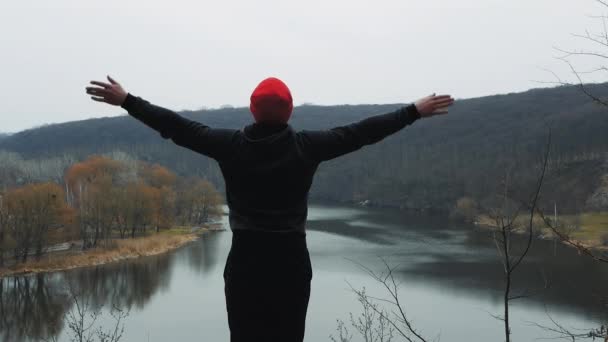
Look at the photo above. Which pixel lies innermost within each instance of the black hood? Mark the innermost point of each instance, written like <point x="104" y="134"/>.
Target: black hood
<point x="266" y="132"/>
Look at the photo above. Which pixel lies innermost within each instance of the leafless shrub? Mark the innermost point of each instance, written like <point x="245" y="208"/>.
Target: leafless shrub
<point x="372" y="324"/>
<point x="376" y="323"/>
<point x="81" y="321"/>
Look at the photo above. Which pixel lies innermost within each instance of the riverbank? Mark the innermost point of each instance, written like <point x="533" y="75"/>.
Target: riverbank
<point x="588" y="229"/>
<point x="121" y="249"/>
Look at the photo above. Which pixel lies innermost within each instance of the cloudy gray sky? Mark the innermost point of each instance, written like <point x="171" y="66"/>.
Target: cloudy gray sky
<point x="189" y="54"/>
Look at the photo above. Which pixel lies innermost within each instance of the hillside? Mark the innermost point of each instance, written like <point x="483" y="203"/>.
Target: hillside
<point x="428" y="165"/>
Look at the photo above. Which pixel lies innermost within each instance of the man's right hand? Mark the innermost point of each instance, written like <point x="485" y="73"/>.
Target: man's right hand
<point x="111" y="93"/>
<point x="433" y="105"/>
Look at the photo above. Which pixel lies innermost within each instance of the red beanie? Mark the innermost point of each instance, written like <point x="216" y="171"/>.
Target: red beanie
<point x="271" y="101"/>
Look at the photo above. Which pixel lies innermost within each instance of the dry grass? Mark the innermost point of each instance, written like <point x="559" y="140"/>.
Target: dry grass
<point x="592" y="226"/>
<point x="589" y="229"/>
<point x="119" y="250"/>
<point x="520" y="223"/>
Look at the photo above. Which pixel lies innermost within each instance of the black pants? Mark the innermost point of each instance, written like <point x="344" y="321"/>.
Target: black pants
<point x="267" y="286"/>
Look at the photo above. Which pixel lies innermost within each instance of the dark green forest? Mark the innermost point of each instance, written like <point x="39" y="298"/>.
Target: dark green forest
<point x="427" y="166"/>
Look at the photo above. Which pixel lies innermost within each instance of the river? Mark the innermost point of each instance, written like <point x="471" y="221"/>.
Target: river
<point x="449" y="273"/>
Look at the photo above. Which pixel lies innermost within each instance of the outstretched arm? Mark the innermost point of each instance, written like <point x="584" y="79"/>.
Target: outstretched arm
<point x="324" y="145"/>
<point x="214" y="143"/>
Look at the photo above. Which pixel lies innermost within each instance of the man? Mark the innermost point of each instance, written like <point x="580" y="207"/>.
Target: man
<point x="268" y="169"/>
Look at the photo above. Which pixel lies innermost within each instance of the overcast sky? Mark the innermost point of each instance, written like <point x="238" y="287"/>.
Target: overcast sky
<point x="189" y="54"/>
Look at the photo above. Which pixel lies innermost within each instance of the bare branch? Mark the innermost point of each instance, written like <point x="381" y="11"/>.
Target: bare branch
<point x="566" y="239"/>
<point x="588" y="37"/>
<point x="534" y="202"/>
<point x="602" y="2"/>
<point x="581" y="84"/>
<point x="579" y="53"/>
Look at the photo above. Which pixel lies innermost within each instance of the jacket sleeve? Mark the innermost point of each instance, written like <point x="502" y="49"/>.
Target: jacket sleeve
<point x="216" y="143"/>
<point x="323" y="145"/>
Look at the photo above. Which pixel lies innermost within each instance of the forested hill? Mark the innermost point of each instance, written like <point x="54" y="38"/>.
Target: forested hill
<point x="428" y="165"/>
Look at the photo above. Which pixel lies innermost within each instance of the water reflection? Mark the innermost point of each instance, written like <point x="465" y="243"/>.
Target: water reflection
<point x="203" y="256"/>
<point x="127" y="285"/>
<point x="33" y="307"/>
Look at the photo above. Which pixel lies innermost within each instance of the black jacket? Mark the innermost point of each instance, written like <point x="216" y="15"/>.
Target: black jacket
<point x="268" y="169"/>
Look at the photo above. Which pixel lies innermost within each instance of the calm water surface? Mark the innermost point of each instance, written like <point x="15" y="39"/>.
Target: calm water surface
<point x="450" y="277"/>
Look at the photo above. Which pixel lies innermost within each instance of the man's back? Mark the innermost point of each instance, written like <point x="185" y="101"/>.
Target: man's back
<point x="267" y="179"/>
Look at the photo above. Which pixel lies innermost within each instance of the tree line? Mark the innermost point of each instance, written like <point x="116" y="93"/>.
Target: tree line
<point x="100" y="199"/>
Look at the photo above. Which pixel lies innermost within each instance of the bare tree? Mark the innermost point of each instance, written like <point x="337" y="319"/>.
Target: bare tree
<point x="504" y="221"/>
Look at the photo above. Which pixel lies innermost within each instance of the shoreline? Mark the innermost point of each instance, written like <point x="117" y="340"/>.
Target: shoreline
<point x="123" y="249"/>
<point x="586" y="237"/>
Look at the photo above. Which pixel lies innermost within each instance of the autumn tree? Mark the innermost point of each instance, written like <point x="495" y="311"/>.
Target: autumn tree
<point x="90" y="189"/>
<point x="33" y="210"/>
<point x="110" y="195"/>
<point x="198" y="201"/>
<point x="164" y="197"/>
<point x="102" y="210"/>
<point x="120" y="211"/>
<point x="156" y="175"/>
<point x="164" y="207"/>
<point x="139" y="206"/>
